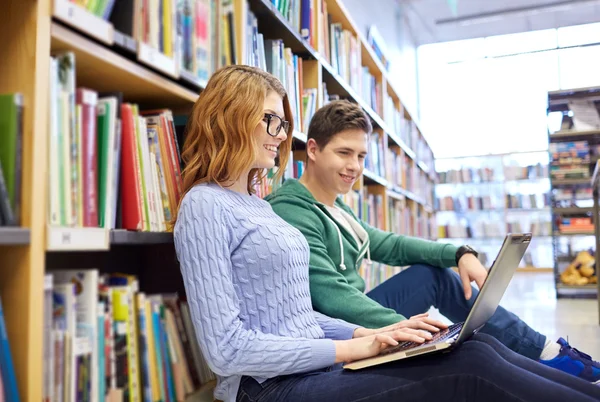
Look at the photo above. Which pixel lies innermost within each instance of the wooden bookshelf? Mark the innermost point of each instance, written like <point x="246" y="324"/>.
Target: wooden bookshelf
<point x="105" y="70"/>
<point x="106" y="62"/>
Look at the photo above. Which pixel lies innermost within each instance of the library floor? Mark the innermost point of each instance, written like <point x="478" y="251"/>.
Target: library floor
<point x="531" y="296"/>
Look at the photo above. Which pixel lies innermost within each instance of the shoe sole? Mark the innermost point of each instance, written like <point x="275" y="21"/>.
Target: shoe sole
<point x="597" y="382"/>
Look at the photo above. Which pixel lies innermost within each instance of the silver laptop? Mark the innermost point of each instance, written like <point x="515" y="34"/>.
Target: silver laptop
<point x="499" y="276"/>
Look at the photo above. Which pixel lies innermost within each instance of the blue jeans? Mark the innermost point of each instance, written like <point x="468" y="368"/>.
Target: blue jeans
<point x="414" y="290"/>
<point x="481" y="369"/>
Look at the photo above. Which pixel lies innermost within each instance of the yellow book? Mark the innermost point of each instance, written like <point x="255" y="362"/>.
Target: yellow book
<point x="168" y="27"/>
<point x="154" y="381"/>
<point x="124" y="311"/>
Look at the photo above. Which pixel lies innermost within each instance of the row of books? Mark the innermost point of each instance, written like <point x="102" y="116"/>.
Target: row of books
<point x="471" y="229"/>
<point x="397" y="166"/>
<point x="271" y="55"/>
<point x="419" y="183"/>
<point x="572" y="152"/>
<point x="569" y="160"/>
<point x="483" y="228"/>
<point x="569" y="172"/>
<point x="528" y="201"/>
<point x="300" y="15"/>
<point x="110" y="164"/>
<point x="567" y="197"/>
<point x="366" y="206"/>
<point x="537" y="171"/>
<point x="105" y="339"/>
<point x="375" y="160"/>
<point x="538" y="227"/>
<point x="374" y="274"/>
<point x="465" y="202"/>
<point x="489" y="174"/>
<point x="189" y="35"/>
<point x="9" y="391"/>
<point x="423" y="152"/>
<point x="400" y="217"/>
<point x="11" y="139"/>
<point x="575" y="224"/>
<point x="468" y="175"/>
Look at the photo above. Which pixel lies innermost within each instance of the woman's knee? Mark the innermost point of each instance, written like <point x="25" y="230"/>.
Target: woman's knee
<point x="478" y="357"/>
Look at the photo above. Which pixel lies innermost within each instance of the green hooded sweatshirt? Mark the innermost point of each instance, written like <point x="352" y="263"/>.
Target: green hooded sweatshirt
<point x="336" y="287"/>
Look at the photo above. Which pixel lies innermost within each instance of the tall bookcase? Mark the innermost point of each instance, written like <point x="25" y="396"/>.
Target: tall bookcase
<point x="111" y="60"/>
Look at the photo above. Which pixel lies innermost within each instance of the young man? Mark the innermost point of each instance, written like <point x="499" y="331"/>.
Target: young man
<point x="336" y="149"/>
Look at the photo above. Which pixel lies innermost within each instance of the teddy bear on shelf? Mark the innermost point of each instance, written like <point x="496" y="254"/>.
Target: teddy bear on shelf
<point x="581" y="271"/>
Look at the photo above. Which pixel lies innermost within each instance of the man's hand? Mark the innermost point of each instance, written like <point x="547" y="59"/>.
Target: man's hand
<point x="470" y="269"/>
<point x="420" y="322"/>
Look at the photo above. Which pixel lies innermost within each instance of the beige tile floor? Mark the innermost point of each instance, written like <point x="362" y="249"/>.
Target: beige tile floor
<point x="531" y="296"/>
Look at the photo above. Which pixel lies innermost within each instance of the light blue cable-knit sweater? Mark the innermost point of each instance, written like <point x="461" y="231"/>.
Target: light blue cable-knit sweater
<point x="245" y="272"/>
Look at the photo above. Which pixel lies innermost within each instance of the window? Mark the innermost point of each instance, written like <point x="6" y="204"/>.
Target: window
<point x="489" y="95"/>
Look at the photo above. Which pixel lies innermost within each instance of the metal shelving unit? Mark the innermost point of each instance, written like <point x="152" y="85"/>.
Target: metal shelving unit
<point x="576" y="240"/>
<point x="596" y="191"/>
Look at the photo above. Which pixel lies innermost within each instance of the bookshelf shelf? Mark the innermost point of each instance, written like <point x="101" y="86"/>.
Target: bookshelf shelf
<point x="573" y="135"/>
<point x="120" y="237"/>
<point x="394" y="137"/>
<point x="272" y="24"/>
<point x="574" y="210"/>
<point x="12" y="236"/>
<point x="84" y="21"/>
<point x="299" y="136"/>
<point x="574" y="233"/>
<point x="372" y="178"/>
<point x="397" y="196"/>
<point x="105" y="70"/>
<point x="570" y="182"/>
<point x="76" y="238"/>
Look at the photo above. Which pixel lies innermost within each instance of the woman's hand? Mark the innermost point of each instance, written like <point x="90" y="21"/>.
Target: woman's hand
<point x="418" y="322"/>
<point x="371" y="345"/>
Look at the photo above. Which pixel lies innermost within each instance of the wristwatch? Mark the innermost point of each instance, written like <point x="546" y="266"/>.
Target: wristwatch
<point x="462" y="250"/>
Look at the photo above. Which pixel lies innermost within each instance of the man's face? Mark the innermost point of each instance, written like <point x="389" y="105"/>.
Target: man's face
<point x="341" y="162"/>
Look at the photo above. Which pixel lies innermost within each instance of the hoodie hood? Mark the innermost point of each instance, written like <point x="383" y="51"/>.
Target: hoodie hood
<point x="292" y="190"/>
<point x="295" y="193"/>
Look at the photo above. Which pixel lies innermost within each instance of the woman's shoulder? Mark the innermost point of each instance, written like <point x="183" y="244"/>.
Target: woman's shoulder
<point x="211" y="198"/>
<point x="203" y="193"/>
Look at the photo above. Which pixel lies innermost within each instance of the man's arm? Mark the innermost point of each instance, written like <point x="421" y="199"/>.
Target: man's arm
<point x="331" y="293"/>
<point x="398" y="250"/>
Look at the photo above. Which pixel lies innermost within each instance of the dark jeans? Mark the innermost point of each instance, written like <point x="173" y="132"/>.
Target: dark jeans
<point x="414" y="290"/>
<point x="481" y="369"/>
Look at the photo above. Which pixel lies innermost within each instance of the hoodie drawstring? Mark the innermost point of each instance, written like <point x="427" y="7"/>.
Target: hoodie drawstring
<point x="369" y="262"/>
<point x="342" y="265"/>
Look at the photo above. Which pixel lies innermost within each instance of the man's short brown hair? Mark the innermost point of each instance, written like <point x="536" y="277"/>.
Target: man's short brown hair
<point x="335" y="117"/>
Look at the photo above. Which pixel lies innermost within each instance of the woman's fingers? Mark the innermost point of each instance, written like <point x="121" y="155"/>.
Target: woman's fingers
<point x="385" y="339"/>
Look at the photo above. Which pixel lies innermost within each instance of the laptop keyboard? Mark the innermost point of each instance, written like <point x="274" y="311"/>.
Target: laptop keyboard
<point x="443" y="335"/>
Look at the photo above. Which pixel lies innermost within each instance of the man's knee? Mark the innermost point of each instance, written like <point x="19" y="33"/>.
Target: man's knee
<point x="429" y="273"/>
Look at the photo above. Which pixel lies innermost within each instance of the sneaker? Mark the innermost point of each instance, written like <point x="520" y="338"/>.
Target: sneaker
<point x="572" y="361"/>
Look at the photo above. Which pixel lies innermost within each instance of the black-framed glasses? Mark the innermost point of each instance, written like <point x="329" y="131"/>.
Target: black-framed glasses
<point x="275" y="124"/>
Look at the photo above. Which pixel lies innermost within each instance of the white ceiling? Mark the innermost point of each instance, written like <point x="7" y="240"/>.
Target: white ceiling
<point x="433" y="21"/>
